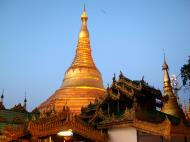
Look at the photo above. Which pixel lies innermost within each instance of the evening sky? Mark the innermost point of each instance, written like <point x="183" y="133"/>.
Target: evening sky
<point x="38" y="39"/>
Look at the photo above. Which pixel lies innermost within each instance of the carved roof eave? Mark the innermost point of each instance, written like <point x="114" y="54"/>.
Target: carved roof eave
<point x="127" y="116"/>
<point x="130" y="84"/>
<point x="138" y="87"/>
<point x="165" y="128"/>
<point x="52" y="118"/>
<point x="98" y="114"/>
<point x="143" y="126"/>
<point x="19" y="108"/>
<point x="13" y="133"/>
<point x="116" y="96"/>
<point x="127" y="92"/>
<point x="45" y="128"/>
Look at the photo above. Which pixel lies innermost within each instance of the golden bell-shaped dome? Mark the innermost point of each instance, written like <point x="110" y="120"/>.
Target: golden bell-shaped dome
<point x="82" y="82"/>
<point x="83" y="71"/>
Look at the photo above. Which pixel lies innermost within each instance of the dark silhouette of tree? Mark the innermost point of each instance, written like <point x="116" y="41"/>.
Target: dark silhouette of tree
<point x="185" y="73"/>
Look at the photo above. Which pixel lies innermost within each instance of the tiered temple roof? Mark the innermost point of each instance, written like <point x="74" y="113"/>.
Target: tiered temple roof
<point x="137" y="104"/>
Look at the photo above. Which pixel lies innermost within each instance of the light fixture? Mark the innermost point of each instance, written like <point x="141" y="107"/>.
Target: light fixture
<point x="66" y="133"/>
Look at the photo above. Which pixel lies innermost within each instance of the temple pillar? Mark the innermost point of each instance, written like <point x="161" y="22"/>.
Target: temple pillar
<point x="161" y="139"/>
<point x="185" y="138"/>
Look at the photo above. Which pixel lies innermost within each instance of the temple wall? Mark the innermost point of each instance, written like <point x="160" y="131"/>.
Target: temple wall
<point x="144" y="137"/>
<point x="149" y="138"/>
<point x="123" y="135"/>
<point x="179" y="139"/>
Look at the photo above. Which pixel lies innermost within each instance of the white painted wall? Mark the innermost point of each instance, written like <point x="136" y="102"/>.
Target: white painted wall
<point x="123" y="134"/>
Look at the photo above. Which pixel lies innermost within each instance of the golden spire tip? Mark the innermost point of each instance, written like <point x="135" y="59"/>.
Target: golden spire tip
<point x="84" y="9"/>
<point x="164" y="55"/>
<point x="165" y="65"/>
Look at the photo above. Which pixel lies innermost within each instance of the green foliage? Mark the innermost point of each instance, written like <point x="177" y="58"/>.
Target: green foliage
<point x="185" y="73"/>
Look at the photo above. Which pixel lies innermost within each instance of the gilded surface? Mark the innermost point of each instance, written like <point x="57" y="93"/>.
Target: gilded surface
<point x="82" y="83"/>
<point x="170" y="104"/>
<point x="63" y="121"/>
<point x="83" y="71"/>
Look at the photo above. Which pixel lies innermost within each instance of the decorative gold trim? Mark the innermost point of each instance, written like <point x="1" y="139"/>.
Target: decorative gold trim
<point x="85" y="87"/>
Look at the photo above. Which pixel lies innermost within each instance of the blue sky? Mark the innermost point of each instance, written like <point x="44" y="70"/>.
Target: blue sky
<point x="38" y="41"/>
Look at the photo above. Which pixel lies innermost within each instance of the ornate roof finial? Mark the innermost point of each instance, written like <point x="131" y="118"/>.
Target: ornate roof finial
<point x="2" y="96"/>
<point x="121" y="75"/>
<point x="84" y="9"/>
<point x="114" y="77"/>
<point x="165" y="65"/>
<point x="142" y="78"/>
<point x="164" y="54"/>
<point x="25" y="100"/>
<point x="84" y="16"/>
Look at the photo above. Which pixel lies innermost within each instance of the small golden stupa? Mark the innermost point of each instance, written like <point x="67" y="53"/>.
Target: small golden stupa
<point x="170" y="104"/>
<point x="82" y="83"/>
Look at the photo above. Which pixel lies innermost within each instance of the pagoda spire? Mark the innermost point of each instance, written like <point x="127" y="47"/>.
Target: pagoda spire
<point x="83" y="71"/>
<point x="83" y="57"/>
<point x="167" y="82"/>
<point x="170" y="104"/>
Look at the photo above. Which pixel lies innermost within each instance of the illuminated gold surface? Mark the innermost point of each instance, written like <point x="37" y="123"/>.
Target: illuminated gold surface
<point x="82" y="83"/>
<point x="83" y="71"/>
<point x="170" y="106"/>
<point x="73" y="97"/>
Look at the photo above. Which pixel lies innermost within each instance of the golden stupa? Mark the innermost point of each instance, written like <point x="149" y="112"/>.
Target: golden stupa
<point x="82" y="83"/>
<point x="170" y="104"/>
